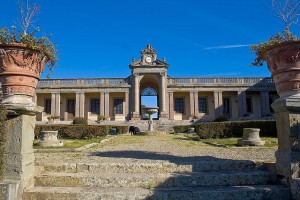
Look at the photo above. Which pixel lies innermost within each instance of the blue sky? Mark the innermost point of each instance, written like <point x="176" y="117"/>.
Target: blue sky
<point x="203" y="38"/>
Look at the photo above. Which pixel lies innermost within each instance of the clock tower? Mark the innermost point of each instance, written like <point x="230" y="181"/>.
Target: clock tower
<point x="148" y="55"/>
<point x="148" y="72"/>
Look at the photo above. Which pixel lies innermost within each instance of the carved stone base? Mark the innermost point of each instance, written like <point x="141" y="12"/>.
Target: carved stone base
<point x="18" y="156"/>
<point x="288" y="153"/>
<point x="135" y="116"/>
<point x="164" y="115"/>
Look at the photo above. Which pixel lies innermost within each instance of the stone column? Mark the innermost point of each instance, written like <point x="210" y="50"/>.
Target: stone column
<point x="18" y="157"/>
<point x="265" y="105"/>
<point x="136" y="93"/>
<point x="106" y="104"/>
<point x="53" y="104"/>
<point x="192" y="104"/>
<point x="102" y="105"/>
<point x="171" y="105"/>
<point x="163" y="94"/>
<point x="81" y="105"/>
<point x="196" y="96"/>
<point x="79" y="111"/>
<point x="77" y="102"/>
<point x="57" y="104"/>
<point x="126" y="104"/>
<point x="241" y="103"/>
<point x="218" y="101"/>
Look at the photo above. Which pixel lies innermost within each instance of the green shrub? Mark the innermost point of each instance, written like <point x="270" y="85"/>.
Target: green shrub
<point x="235" y="128"/>
<point x="74" y="131"/>
<point x="121" y="129"/>
<point x="221" y="119"/>
<point x="80" y="120"/>
<point x="181" y="129"/>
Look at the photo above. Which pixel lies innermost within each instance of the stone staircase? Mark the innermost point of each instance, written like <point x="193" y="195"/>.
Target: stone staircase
<point x="158" y="125"/>
<point x="159" y="180"/>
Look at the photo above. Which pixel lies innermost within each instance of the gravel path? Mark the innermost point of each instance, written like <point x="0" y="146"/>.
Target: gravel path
<point x="162" y="148"/>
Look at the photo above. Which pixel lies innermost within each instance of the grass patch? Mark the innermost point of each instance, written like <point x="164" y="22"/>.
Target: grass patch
<point x="232" y="142"/>
<point x="71" y="143"/>
<point x="193" y="140"/>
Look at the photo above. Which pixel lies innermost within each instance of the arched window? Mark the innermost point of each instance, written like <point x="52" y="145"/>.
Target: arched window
<point x="149" y="92"/>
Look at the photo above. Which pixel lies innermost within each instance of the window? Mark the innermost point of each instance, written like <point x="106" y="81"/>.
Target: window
<point x="179" y="105"/>
<point x="118" y="106"/>
<point x="71" y="106"/>
<point x="48" y="106"/>
<point x="226" y="106"/>
<point x="249" y="105"/>
<point x="95" y="106"/>
<point x="202" y="105"/>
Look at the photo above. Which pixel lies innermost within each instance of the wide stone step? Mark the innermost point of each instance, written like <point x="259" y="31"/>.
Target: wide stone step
<point x="151" y="180"/>
<point x="260" y="192"/>
<point x="154" y="167"/>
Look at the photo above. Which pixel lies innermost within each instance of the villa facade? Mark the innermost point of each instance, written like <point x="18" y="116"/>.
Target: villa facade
<point x="177" y="98"/>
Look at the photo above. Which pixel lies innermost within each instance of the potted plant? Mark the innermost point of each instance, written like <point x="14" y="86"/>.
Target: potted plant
<point x="282" y="51"/>
<point x="23" y="57"/>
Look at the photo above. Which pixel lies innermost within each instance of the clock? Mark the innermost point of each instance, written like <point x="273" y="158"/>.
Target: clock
<point x="148" y="59"/>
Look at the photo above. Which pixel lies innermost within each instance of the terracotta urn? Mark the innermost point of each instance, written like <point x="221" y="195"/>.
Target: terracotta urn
<point x="20" y="69"/>
<point x="284" y="63"/>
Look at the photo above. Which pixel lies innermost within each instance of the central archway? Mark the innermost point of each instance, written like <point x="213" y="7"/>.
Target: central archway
<point x="149" y="93"/>
<point x="149" y="98"/>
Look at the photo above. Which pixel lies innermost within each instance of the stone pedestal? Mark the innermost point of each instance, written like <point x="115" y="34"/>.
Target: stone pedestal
<point x="163" y="116"/>
<point x="135" y="116"/>
<point x="18" y="156"/>
<point x="250" y="137"/>
<point x="49" y="139"/>
<point x="288" y="130"/>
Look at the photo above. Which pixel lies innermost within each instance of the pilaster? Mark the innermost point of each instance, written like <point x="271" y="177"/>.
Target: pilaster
<point x="171" y="105"/>
<point x="126" y="105"/>
<point x="196" y="96"/>
<point x="192" y="104"/>
<point x="79" y="110"/>
<point x="218" y="101"/>
<point x="102" y="105"/>
<point x="241" y="103"/>
<point x="106" y="104"/>
<point x="265" y="105"/>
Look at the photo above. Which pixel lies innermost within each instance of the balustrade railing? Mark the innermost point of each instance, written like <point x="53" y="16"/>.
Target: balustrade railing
<point x="251" y="81"/>
<point x="73" y="82"/>
<point x="171" y="81"/>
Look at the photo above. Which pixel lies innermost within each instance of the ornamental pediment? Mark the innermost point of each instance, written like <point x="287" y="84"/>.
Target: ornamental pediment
<point x="157" y="62"/>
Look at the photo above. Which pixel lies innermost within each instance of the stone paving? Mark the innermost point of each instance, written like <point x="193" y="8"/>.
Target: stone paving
<point x="164" y="147"/>
<point x="160" y="167"/>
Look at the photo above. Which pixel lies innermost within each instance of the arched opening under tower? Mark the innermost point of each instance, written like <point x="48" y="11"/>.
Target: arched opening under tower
<point x="149" y="87"/>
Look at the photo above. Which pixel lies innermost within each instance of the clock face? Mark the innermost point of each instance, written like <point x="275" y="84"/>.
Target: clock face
<point x="148" y="59"/>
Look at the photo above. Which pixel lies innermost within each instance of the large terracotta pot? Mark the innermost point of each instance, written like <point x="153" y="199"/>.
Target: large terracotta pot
<point x="284" y="63"/>
<point x="20" y="69"/>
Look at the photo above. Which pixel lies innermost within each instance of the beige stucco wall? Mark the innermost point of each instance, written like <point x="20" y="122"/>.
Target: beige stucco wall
<point x="87" y="107"/>
<point x="64" y="97"/>
<point x="186" y="100"/>
<point x="40" y="102"/>
<point x="210" y="115"/>
<point x="112" y="97"/>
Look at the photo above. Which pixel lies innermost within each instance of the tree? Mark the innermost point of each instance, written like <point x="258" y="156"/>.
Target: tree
<point x="28" y="11"/>
<point x="288" y="11"/>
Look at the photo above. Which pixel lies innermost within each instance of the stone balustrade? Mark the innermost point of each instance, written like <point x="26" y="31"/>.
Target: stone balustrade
<point x="260" y="81"/>
<point x="216" y="81"/>
<point x="84" y="82"/>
